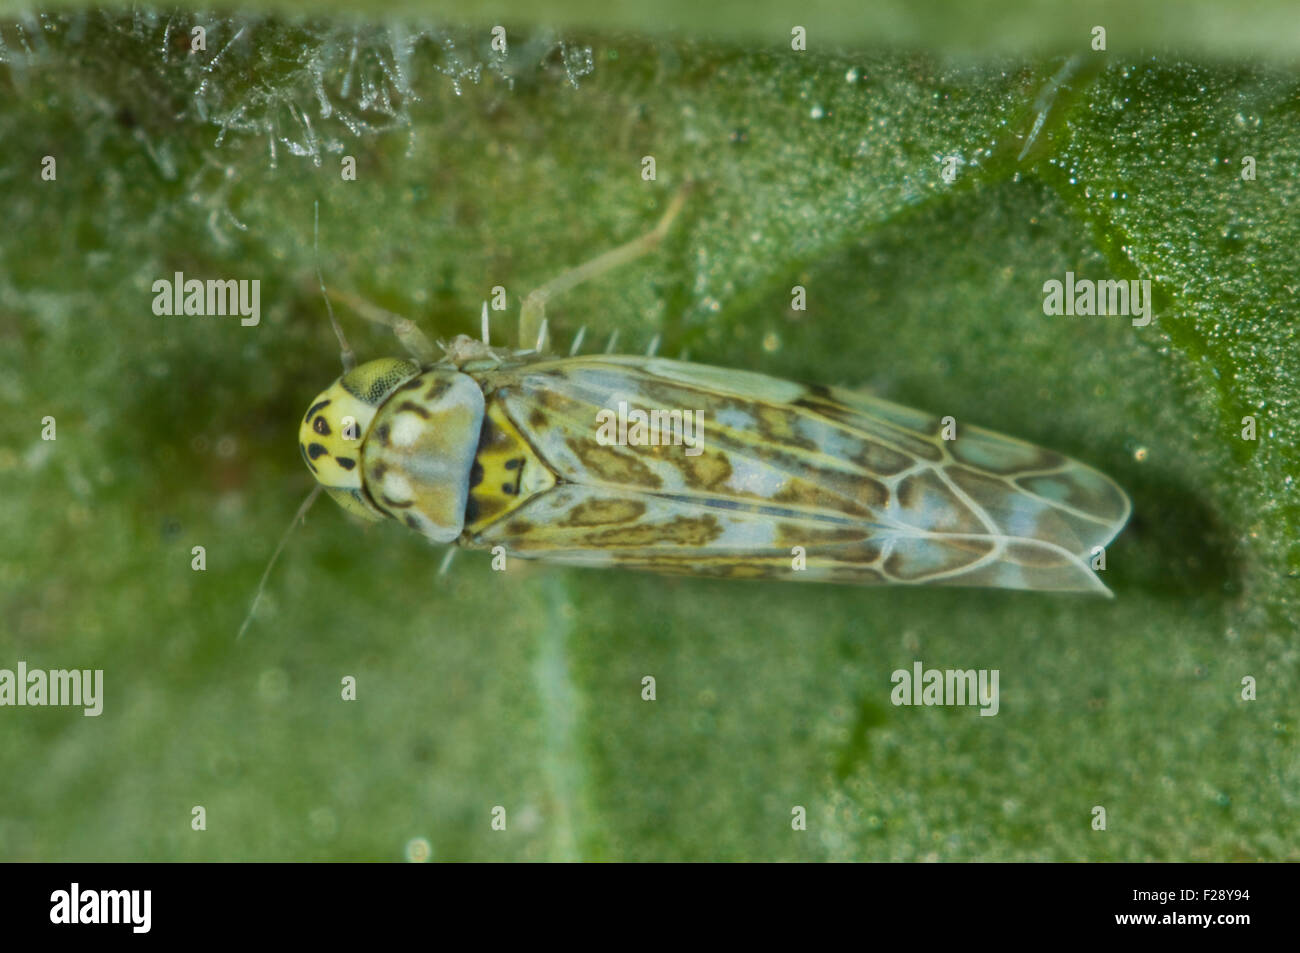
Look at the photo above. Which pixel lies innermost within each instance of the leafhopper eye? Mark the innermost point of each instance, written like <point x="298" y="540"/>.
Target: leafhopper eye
<point x="349" y="428"/>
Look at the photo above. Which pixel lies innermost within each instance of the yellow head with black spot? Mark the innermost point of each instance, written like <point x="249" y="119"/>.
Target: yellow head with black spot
<point x="336" y="423"/>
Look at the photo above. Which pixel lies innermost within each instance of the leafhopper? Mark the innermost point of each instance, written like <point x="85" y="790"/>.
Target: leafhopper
<point x="509" y="449"/>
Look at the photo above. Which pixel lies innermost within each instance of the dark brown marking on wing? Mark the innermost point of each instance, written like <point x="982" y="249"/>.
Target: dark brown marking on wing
<point x="925" y="496"/>
<point x="806" y="535"/>
<point x="775" y="424"/>
<point x="836" y="491"/>
<point x="880" y="459"/>
<point x="613" y="464"/>
<point x="603" y="512"/>
<point x="681" y="531"/>
<point x="709" y="471"/>
<point x="912" y="441"/>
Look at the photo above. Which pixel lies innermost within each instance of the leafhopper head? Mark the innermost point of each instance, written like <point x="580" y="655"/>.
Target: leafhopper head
<point x="337" y="422"/>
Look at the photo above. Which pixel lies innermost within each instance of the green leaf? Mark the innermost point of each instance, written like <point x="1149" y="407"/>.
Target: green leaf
<point x="523" y="689"/>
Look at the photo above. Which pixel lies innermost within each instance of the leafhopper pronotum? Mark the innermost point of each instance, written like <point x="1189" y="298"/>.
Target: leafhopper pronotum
<point x="488" y="447"/>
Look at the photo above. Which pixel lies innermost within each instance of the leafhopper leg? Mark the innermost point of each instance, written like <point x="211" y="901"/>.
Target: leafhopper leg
<point x="412" y="338"/>
<point x="533" y="312"/>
